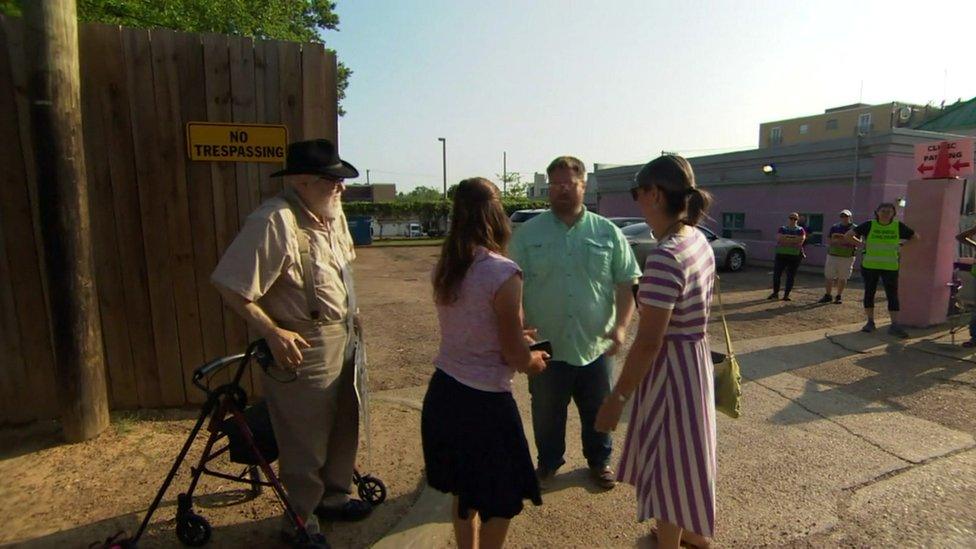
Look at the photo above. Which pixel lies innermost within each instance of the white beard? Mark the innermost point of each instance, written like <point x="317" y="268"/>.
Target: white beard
<point x="332" y="210"/>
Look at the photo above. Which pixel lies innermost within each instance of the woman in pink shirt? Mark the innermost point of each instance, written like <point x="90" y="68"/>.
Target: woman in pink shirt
<point x="474" y="444"/>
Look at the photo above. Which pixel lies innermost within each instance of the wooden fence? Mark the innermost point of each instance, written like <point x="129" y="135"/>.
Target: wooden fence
<point x="159" y="221"/>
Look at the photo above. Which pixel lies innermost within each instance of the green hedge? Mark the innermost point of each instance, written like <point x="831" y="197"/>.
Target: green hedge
<point x="426" y="210"/>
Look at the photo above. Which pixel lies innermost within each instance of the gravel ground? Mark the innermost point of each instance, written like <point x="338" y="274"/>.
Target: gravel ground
<point x="70" y="495"/>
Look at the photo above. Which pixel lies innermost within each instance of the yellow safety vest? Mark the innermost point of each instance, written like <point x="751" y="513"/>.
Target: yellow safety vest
<point x="881" y="247"/>
<point x="784" y="249"/>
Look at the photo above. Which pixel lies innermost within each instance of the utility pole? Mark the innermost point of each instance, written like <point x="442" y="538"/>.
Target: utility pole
<point x="54" y="95"/>
<point x="504" y="173"/>
<point x="367" y="176"/>
<point x="443" y="141"/>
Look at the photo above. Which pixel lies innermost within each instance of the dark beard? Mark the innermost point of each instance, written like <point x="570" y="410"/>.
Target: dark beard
<point x="561" y="208"/>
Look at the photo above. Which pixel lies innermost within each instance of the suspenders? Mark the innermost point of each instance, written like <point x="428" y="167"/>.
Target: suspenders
<point x="308" y="278"/>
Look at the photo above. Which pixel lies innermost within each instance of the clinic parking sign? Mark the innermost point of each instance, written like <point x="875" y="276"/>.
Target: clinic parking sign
<point x="216" y="142"/>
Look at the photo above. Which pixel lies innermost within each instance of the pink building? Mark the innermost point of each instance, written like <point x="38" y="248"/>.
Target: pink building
<point x="815" y="179"/>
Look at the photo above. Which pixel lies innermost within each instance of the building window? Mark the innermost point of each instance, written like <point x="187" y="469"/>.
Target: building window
<point x="804" y="129"/>
<point x="732" y="221"/>
<point x="864" y="123"/>
<point x="831" y="123"/>
<point x="776" y="135"/>
<point x="814" y="225"/>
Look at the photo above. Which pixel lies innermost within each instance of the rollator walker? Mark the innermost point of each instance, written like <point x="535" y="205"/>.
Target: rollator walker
<point x="246" y="435"/>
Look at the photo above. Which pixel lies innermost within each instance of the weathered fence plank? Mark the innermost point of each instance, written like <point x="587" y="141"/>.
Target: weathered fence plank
<point x="159" y="221"/>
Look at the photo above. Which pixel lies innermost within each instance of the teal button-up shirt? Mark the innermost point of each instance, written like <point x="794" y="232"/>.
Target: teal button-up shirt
<point x="571" y="274"/>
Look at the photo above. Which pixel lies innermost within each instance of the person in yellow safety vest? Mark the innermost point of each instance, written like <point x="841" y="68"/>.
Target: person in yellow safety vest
<point x="882" y="238"/>
<point x="789" y="254"/>
<point x="840" y="258"/>
<point x="966" y="237"/>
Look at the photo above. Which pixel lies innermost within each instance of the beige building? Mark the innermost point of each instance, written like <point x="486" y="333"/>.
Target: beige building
<point x="538" y="188"/>
<point x="376" y="192"/>
<point x="843" y="122"/>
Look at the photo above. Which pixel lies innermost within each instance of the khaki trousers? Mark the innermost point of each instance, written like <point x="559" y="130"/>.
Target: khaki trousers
<point x="316" y="420"/>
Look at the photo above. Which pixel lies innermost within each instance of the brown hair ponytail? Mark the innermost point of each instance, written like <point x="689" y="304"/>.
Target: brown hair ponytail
<point x="672" y="174"/>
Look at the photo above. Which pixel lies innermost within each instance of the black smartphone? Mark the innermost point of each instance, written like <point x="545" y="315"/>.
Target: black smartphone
<point x="543" y="345"/>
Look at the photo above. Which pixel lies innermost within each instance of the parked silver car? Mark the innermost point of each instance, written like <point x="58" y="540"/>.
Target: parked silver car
<point x="625" y="221"/>
<point x="521" y="216"/>
<point x="729" y="254"/>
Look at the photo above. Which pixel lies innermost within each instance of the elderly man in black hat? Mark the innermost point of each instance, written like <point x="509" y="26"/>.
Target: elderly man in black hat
<point x="287" y="273"/>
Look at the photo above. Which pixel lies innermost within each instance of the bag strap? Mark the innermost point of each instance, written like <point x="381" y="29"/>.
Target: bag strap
<point x="721" y="310"/>
<point x="305" y="252"/>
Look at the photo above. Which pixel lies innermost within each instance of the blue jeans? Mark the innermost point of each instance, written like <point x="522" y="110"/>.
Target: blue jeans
<point x="551" y="392"/>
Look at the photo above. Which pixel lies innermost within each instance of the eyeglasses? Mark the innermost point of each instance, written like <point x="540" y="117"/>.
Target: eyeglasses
<point x="333" y="180"/>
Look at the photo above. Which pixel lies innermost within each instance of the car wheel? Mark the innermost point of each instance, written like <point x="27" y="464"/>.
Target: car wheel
<point x="735" y="261"/>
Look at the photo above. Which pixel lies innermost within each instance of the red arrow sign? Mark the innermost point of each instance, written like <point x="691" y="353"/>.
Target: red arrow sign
<point x="944" y="159"/>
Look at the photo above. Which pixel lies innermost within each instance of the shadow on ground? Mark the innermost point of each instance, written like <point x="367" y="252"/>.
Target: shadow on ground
<point x="881" y="371"/>
<point x="263" y="532"/>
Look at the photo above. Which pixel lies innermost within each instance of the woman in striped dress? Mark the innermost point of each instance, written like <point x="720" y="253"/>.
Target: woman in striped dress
<point x="669" y="453"/>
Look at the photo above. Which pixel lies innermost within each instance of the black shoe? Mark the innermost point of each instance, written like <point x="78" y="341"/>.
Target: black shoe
<point x="773" y="296"/>
<point x="351" y="511"/>
<point x="825" y="299"/>
<point x="869" y="327"/>
<point x="787" y="298"/>
<point x="294" y="539"/>
<point x="837" y="300"/>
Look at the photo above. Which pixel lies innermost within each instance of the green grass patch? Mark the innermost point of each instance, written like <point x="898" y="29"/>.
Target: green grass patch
<point x="124" y="421"/>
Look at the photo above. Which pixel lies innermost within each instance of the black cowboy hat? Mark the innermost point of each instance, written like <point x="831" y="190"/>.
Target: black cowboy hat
<point x="316" y="157"/>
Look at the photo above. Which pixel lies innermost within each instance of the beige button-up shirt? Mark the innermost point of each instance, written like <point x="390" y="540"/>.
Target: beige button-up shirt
<point x="263" y="263"/>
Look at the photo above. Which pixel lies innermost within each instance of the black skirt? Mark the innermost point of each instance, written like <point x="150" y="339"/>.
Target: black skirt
<point x="475" y="448"/>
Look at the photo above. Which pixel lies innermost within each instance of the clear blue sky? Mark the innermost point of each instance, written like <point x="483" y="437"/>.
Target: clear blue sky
<point x="619" y="81"/>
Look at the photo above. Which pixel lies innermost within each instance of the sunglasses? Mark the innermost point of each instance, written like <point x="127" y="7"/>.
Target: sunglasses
<point x="634" y="194"/>
<point x="794" y="219"/>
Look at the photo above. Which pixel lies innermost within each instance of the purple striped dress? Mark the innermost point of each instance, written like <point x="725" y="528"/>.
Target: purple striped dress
<point x="669" y="454"/>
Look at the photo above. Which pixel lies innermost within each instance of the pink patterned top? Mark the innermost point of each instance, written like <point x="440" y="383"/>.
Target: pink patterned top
<point x="470" y="350"/>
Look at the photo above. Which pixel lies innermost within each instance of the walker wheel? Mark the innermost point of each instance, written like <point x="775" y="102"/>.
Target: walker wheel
<point x="372" y="490"/>
<point x="192" y="529"/>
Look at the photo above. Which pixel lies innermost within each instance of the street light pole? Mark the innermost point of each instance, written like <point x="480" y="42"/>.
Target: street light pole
<point x="443" y="141"/>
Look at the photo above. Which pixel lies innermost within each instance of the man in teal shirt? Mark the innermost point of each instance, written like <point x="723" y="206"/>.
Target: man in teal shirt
<point x="578" y="272"/>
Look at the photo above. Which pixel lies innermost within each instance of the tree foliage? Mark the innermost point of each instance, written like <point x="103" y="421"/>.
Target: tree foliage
<point x="421" y="194"/>
<point x="293" y="20"/>
<point x="512" y="186"/>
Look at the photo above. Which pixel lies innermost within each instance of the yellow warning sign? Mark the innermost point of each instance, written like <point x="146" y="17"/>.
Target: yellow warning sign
<point x="218" y="142"/>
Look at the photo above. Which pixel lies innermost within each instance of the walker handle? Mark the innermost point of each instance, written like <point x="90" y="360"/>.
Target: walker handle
<point x="215" y="365"/>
